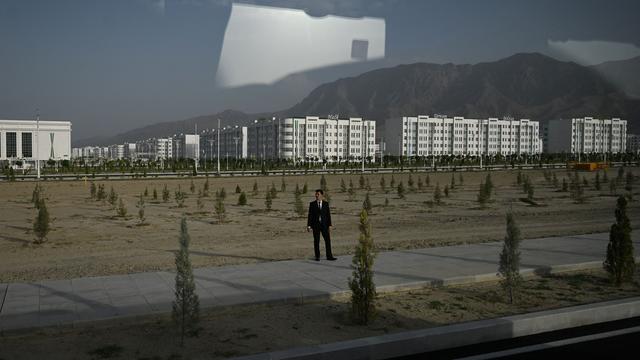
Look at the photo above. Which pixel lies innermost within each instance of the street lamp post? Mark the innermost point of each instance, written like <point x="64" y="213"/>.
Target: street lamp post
<point x="37" y="141"/>
<point x="218" y="147"/>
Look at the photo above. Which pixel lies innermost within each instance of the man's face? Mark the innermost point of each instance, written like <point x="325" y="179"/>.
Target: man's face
<point x="318" y="196"/>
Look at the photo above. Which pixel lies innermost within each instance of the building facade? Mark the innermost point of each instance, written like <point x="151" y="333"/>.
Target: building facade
<point x="312" y="138"/>
<point x="441" y="135"/>
<point x="587" y="135"/>
<point x="28" y="140"/>
<point x="633" y="143"/>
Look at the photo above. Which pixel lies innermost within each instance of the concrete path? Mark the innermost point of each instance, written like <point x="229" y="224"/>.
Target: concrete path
<point x="46" y="303"/>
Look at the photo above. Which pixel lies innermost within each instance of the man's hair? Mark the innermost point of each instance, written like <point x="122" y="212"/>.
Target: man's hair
<point x="320" y="191"/>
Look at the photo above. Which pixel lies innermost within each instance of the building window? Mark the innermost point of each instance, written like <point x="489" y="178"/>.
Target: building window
<point x="12" y="148"/>
<point x="27" y="145"/>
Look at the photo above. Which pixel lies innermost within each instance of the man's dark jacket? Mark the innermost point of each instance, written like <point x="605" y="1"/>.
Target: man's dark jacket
<point x="319" y="217"/>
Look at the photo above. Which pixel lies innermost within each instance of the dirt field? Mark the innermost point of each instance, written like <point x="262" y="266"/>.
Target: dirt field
<point x="259" y="328"/>
<point x="89" y="239"/>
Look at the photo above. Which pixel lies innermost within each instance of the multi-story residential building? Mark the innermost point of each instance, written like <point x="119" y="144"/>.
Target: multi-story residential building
<point x="233" y="143"/>
<point x="163" y="148"/>
<point x="116" y="152"/>
<point x="633" y="143"/>
<point x="441" y="135"/>
<point x="587" y="135"/>
<point x="313" y="138"/>
<point x="28" y="140"/>
<point x="186" y="146"/>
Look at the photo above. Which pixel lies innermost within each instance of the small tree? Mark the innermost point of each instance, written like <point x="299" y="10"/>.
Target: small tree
<point x="186" y="307"/>
<point x="323" y="183"/>
<point x="298" y="206"/>
<point x="205" y="188"/>
<point x="305" y="188"/>
<point x="92" y="190"/>
<point x="564" y="185"/>
<point x="113" y="197"/>
<point x="482" y="195"/>
<point x="509" y="268"/>
<point x="199" y="201"/>
<point x="121" y="210"/>
<point x="420" y="184"/>
<point x="383" y="184"/>
<point x="219" y="209"/>
<point x="141" y="206"/>
<point x="238" y="190"/>
<point x="255" y="188"/>
<point x="36" y="195"/>
<point x="363" y="289"/>
<point x="283" y="185"/>
<point x="393" y="182"/>
<point x="461" y="179"/>
<point x="146" y="192"/>
<point x="453" y="182"/>
<point x="401" y="190"/>
<point x="411" y="184"/>
<point x="41" y="224"/>
<point x="446" y="191"/>
<point x="437" y="194"/>
<point x="366" y="204"/>
<point x="620" y="262"/>
<point x="343" y="186"/>
<point x="427" y="180"/>
<point x="242" y="199"/>
<point x="519" y="178"/>
<point x="223" y="194"/>
<point x="361" y="181"/>
<point x="367" y="186"/>
<point x="101" y="195"/>
<point x="268" y="200"/>
<point x="179" y="197"/>
<point x="155" y="194"/>
<point x="165" y="193"/>
<point x="555" y="181"/>
<point x="629" y="182"/>
<point x="596" y="182"/>
<point x="192" y="187"/>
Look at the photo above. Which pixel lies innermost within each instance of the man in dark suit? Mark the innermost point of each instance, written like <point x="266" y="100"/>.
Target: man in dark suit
<point x="319" y="220"/>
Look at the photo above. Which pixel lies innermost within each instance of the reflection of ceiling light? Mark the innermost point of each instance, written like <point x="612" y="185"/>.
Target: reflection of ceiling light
<point x="265" y="44"/>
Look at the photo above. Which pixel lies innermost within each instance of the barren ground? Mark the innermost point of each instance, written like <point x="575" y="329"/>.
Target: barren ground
<point x="88" y="239"/>
<point x="244" y="330"/>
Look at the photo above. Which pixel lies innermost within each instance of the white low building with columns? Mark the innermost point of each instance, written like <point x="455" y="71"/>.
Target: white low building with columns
<point x="29" y="140"/>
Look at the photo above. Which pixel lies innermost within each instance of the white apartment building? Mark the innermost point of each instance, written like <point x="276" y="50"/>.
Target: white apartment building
<point x="28" y="140"/>
<point x="312" y="138"/>
<point x="186" y="146"/>
<point x="633" y="143"/>
<point x="587" y="135"/>
<point x="233" y="143"/>
<point x="116" y="152"/>
<point x="163" y="148"/>
<point x="441" y="135"/>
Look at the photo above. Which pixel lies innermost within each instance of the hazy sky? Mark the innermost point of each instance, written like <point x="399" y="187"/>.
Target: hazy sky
<point x="114" y="65"/>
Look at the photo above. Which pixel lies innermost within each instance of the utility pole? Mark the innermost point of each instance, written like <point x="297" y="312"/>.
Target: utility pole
<point x="37" y="141"/>
<point x="197" y="152"/>
<point x="218" y="146"/>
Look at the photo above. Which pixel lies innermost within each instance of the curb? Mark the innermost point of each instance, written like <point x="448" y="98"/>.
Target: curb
<point x="451" y="336"/>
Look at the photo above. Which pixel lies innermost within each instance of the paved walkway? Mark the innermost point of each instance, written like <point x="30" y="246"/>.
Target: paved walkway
<point x="27" y="305"/>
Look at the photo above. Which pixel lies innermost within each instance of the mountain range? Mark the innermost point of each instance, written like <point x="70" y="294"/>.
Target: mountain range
<point x="528" y="85"/>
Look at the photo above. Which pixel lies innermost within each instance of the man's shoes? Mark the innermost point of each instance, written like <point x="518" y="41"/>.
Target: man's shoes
<point x="317" y="259"/>
<point x="332" y="258"/>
